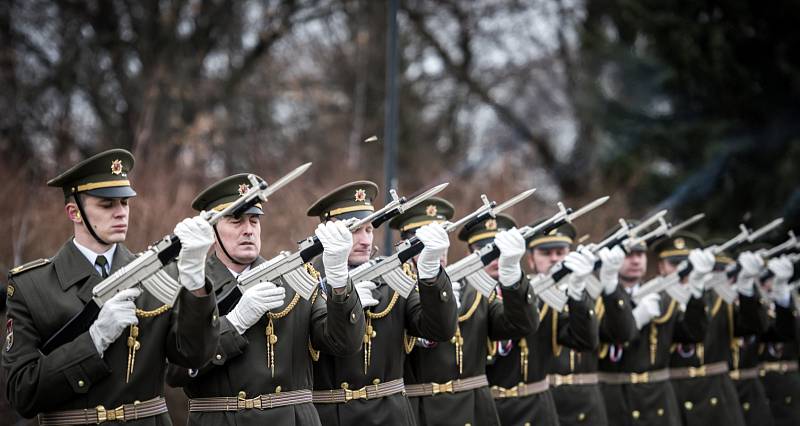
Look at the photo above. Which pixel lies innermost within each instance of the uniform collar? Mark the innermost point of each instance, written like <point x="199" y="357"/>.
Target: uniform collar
<point x="73" y="267"/>
<point x="91" y="256"/>
<point x="220" y="275"/>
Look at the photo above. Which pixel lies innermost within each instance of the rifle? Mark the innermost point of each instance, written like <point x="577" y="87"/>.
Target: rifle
<point x="658" y="284"/>
<point x="146" y="269"/>
<point x="291" y="265"/>
<point x="621" y="237"/>
<point x="471" y="267"/>
<point x="390" y="268"/>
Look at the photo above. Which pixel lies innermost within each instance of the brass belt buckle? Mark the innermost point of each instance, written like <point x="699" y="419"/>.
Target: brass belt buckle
<point x="350" y="395"/>
<point x="243" y="403"/>
<point x="637" y="378"/>
<point x="437" y="388"/>
<point x="115" y="415"/>
<point x="697" y="371"/>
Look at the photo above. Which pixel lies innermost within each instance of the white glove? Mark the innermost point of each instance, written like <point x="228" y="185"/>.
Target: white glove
<point x="436" y="242"/>
<point x="702" y="261"/>
<point x="255" y="302"/>
<point x="457" y="292"/>
<point x="751" y="264"/>
<point x="609" y="270"/>
<point x="647" y="309"/>
<point x="337" y="241"/>
<point x="115" y="316"/>
<point x="512" y="248"/>
<point x="364" y="290"/>
<point x="196" y="237"/>
<point x="783" y="269"/>
<point x="581" y="265"/>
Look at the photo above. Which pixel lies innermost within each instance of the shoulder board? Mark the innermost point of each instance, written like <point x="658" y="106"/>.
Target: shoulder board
<point x="28" y="266"/>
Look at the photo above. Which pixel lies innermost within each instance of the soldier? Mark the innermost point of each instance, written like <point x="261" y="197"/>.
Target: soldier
<point x="779" y="346"/>
<point x="575" y="385"/>
<point x="99" y="376"/>
<point x="367" y="388"/>
<point x="518" y="370"/>
<point x="635" y="376"/>
<point x="744" y="356"/>
<point x="447" y="380"/>
<point x="261" y="373"/>
<point x="699" y="372"/>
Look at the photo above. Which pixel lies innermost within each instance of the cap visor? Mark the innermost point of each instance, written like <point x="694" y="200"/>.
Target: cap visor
<point x="112" y="192"/>
<point x="360" y="214"/>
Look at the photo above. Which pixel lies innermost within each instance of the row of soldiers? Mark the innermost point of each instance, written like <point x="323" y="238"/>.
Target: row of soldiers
<point x="361" y="353"/>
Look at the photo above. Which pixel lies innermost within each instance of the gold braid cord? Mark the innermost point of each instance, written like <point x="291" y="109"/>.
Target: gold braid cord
<point x="133" y="337"/>
<point x="734" y="341"/>
<point x="458" y="340"/>
<point x="311" y="351"/>
<point x="654" y="330"/>
<point x="272" y="335"/>
<point x="370" y="332"/>
<point x="408" y="342"/>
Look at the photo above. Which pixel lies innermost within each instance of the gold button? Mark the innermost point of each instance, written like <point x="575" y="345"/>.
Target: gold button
<point x="788" y="400"/>
<point x="81" y="383"/>
<point x="714" y="401"/>
<point x="242" y="395"/>
<point x="581" y="417"/>
<point x="219" y="357"/>
<point x="591" y="312"/>
<point x="660" y="412"/>
<point x="746" y="406"/>
<point x="688" y="405"/>
<point x="621" y="303"/>
<point x="636" y="414"/>
<point x="467" y="424"/>
<point x="527" y="423"/>
<point x="277" y="389"/>
<point x="214" y="317"/>
<point x="376" y="381"/>
<point x="345" y="385"/>
<point x="444" y="294"/>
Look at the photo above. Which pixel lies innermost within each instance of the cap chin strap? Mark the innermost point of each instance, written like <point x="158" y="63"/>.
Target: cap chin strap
<point x="86" y="220"/>
<point x="225" y="251"/>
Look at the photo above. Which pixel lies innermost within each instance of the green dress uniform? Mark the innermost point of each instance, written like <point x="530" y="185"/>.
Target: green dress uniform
<point x="708" y="393"/>
<point x="635" y="375"/>
<point x="367" y="388"/>
<point x="779" y="358"/>
<point x="438" y="372"/>
<point x="575" y="386"/>
<point x="254" y="368"/>
<point x="74" y="381"/>
<point x="518" y="371"/>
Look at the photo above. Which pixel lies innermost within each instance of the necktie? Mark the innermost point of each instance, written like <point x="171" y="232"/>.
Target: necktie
<point x="102" y="262"/>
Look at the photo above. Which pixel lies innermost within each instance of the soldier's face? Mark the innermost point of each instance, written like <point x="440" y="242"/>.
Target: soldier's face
<point x="107" y="216"/>
<point x="633" y="267"/>
<point x="541" y="260"/>
<point x="362" y="245"/>
<point x="241" y="237"/>
<point x="665" y="267"/>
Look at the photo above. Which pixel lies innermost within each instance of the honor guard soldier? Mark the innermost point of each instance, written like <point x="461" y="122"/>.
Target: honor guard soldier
<point x="519" y="368"/>
<point x="699" y="372"/>
<point x="779" y="345"/>
<point x="635" y="376"/>
<point x="574" y="383"/>
<point x="261" y="372"/>
<point x="448" y="384"/>
<point x="367" y="388"/>
<point x="115" y="370"/>
<point x="744" y="358"/>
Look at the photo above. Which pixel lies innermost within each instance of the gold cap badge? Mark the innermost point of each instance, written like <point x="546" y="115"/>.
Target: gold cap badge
<point x="680" y="243"/>
<point x="116" y="167"/>
<point x="243" y="188"/>
<point x="431" y="210"/>
<point x="361" y="195"/>
<point x="491" y="224"/>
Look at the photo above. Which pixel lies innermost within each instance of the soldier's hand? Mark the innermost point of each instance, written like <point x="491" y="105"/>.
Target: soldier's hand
<point x="783" y="269"/>
<point x="364" y="290"/>
<point x="337" y="241"/>
<point x="115" y="316"/>
<point x="581" y="266"/>
<point x="436" y="243"/>
<point x="196" y="237"/>
<point x="457" y="292"/>
<point x="512" y="248"/>
<point x="609" y="270"/>
<point x="702" y="261"/>
<point x="751" y="264"/>
<point x="647" y="309"/>
<point x="255" y="302"/>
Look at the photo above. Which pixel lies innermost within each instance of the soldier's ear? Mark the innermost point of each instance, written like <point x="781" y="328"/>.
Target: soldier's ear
<point x="73" y="214"/>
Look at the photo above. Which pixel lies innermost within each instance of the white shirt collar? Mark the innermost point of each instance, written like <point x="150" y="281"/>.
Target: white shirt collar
<point x="92" y="256"/>
<point x="236" y="274"/>
<point x="631" y="289"/>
